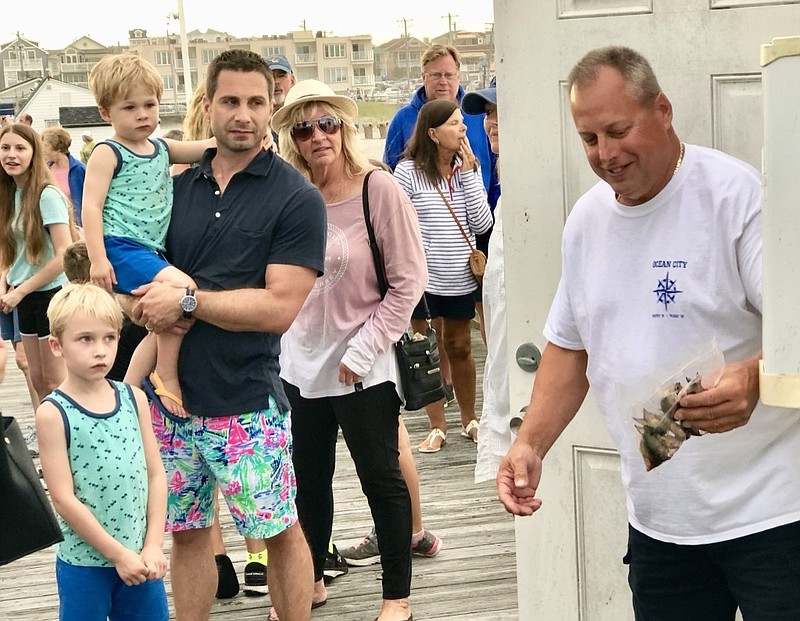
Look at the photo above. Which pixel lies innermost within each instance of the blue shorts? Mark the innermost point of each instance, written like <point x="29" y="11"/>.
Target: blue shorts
<point x="134" y="264"/>
<point x="98" y="593"/>
<point x="9" y="327"/>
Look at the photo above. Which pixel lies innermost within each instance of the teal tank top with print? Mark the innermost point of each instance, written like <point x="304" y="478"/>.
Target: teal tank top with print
<point x="109" y="474"/>
<point x="139" y="200"/>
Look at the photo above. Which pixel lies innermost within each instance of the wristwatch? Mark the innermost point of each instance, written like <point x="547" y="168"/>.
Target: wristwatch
<point x="188" y="303"/>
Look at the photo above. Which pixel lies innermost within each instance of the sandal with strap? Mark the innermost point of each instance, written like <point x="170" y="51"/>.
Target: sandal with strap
<point x="467" y="431"/>
<point x="433" y="441"/>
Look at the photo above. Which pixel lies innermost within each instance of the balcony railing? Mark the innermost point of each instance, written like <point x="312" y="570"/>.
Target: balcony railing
<point x="362" y="57"/>
<point x="76" y="67"/>
<point x="305" y="59"/>
<point x="26" y="64"/>
<point x="364" y="80"/>
<point x="192" y="63"/>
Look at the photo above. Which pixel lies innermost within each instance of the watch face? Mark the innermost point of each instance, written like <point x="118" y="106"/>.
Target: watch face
<point x="188" y="303"/>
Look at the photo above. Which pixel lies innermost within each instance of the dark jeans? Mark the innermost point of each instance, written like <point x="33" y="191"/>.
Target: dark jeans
<point x="760" y="574"/>
<point x="369" y="422"/>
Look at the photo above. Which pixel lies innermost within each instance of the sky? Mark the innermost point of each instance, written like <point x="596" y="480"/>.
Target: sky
<point x="56" y="24"/>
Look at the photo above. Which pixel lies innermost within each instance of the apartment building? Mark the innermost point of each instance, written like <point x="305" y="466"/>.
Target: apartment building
<point x="344" y="63"/>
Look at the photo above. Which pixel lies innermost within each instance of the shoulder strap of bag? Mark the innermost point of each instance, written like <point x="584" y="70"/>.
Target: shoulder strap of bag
<point x="373" y="243"/>
<point x="455" y="217"/>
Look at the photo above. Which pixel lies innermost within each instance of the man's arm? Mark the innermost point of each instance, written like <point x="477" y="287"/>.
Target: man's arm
<point x="558" y="392"/>
<point x="271" y="309"/>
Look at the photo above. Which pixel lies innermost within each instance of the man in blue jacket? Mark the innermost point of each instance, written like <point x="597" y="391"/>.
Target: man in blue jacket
<point x="440" y="80"/>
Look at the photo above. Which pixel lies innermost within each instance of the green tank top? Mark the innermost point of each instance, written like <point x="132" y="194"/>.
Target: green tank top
<point x="139" y="199"/>
<point x="109" y="475"/>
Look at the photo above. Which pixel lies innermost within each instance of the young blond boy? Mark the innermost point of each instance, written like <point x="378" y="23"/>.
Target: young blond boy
<point x="128" y="199"/>
<point x="103" y="469"/>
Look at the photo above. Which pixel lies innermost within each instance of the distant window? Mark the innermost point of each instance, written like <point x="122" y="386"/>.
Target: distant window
<point x="168" y="84"/>
<point x="162" y="58"/>
<point x="209" y="55"/>
<point x="336" y="74"/>
<point x="334" y="50"/>
<point x="273" y="50"/>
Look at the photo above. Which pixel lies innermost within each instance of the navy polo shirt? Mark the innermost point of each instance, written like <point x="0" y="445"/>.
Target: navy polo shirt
<point x="268" y="214"/>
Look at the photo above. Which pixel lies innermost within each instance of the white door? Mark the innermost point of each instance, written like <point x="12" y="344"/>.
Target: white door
<point x="706" y="56"/>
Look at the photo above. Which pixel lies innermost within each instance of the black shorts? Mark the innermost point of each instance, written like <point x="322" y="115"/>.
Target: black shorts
<point x="32" y="311"/>
<point x="447" y="306"/>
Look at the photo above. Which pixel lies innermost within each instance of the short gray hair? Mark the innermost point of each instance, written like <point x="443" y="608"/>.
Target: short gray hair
<point x="634" y="68"/>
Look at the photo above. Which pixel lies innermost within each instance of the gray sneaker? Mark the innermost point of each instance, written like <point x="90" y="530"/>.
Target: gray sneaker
<point x="429" y="545"/>
<point x="365" y="553"/>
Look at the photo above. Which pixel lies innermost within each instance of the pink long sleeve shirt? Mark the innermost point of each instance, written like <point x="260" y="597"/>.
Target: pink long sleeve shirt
<point x="344" y="318"/>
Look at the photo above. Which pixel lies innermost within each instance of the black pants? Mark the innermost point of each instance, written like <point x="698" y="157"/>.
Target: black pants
<point x="369" y="422"/>
<point x="760" y="574"/>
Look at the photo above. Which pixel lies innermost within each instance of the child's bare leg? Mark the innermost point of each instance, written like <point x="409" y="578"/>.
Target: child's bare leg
<point x="169" y="346"/>
<point x="142" y="362"/>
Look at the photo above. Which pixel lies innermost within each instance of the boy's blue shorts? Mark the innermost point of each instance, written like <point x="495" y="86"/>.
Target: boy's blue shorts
<point x="134" y="264"/>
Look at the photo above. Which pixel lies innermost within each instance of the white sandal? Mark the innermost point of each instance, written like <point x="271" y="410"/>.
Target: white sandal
<point x="467" y="431"/>
<point x="429" y="444"/>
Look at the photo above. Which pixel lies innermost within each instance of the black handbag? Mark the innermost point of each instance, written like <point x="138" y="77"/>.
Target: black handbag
<point x="418" y="355"/>
<point x="27" y="521"/>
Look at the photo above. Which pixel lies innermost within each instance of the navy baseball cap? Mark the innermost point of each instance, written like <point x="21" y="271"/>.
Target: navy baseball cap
<point x="475" y="101"/>
<point x="280" y="62"/>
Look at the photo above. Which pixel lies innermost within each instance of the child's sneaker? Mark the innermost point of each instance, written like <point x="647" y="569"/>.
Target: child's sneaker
<point x="335" y="566"/>
<point x="365" y="553"/>
<point x="255" y="579"/>
<point x="429" y="545"/>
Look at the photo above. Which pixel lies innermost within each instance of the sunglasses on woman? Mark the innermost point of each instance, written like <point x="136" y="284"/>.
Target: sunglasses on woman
<point x="327" y="125"/>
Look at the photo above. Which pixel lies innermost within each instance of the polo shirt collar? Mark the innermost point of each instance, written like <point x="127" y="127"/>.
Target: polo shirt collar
<point x="259" y="165"/>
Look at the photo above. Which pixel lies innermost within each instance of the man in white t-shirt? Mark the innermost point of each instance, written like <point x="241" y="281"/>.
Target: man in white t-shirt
<point x="661" y="259"/>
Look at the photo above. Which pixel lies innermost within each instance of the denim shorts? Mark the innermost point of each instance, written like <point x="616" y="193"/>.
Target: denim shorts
<point x="98" y="593"/>
<point x="9" y="327"/>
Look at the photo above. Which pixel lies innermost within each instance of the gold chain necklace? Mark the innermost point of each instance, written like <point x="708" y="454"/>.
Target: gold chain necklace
<point x="680" y="160"/>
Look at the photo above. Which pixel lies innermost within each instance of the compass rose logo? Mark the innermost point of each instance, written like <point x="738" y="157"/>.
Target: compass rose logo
<point x="666" y="291"/>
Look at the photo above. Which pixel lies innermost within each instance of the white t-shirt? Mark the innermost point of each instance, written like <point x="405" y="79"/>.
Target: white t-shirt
<point x="494" y="434"/>
<point x="643" y="290"/>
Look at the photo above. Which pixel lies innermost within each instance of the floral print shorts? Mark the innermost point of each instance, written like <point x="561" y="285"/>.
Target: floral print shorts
<point x="248" y="456"/>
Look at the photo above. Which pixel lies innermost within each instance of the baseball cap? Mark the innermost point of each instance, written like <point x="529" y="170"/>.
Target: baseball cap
<point x="475" y="102"/>
<point x="280" y="62"/>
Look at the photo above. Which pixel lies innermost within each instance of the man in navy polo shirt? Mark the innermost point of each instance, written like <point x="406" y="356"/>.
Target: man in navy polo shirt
<point x="251" y="232"/>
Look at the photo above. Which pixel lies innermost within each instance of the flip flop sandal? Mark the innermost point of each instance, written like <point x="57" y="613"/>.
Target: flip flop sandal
<point x="154" y="388"/>
<point x="430" y="444"/>
<point x="466" y="432"/>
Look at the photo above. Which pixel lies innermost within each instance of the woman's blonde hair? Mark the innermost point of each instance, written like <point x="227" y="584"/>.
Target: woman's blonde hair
<point x="195" y="123"/>
<point x="356" y="161"/>
<point x="30" y="215"/>
<point x="113" y="77"/>
<point x="83" y="298"/>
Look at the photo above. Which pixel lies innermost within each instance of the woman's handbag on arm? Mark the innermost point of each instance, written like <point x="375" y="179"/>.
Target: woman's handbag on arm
<point x="27" y="521"/>
<point x="477" y="260"/>
<point x="417" y="355"/>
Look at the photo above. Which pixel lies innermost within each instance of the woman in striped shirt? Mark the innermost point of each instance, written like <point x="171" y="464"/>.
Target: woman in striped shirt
<point x="440" y="169"/>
